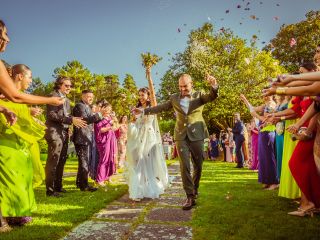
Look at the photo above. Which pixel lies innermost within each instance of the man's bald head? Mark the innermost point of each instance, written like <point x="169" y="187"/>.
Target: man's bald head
<point x="185" y="84"/>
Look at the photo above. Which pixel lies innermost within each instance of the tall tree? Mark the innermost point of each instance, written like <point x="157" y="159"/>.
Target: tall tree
<point x="130" y="92"/>
<point x="296" y="43"/>
<point x="239" y="69"/>
<point x="82" y="77"/>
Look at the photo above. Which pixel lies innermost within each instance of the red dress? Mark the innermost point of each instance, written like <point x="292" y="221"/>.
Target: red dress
<point x="302" y="163"/>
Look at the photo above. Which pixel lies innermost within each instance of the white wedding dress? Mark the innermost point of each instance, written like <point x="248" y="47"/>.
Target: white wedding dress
<point x="147" y="173"/>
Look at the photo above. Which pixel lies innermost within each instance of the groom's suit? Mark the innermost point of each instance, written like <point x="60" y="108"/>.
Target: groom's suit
<point x="189" y="132"/>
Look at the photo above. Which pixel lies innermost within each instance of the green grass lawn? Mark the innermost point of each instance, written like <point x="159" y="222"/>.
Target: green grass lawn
<point x="232" y="205"/>
<point x="55" y="217"/>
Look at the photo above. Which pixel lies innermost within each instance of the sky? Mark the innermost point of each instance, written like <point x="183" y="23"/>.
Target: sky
<point x="108" y="36"/>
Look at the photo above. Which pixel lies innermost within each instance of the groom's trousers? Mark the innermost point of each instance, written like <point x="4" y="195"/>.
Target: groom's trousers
<point x="187" y="148"/>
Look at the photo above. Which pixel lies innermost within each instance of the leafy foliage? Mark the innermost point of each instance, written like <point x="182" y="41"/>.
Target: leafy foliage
<point x="239" y="69"/>
<point x="307" y="36"/>
<point x="82" y="77"/>
<point x="149" y="60"/>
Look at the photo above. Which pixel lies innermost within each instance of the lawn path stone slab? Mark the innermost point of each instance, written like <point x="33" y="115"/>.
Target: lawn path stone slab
<point x="126" y="219"/>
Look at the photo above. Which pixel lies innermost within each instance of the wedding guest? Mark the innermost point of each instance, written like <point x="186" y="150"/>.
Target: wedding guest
<point x="267" y="174"/>
<point x="282" y="104"/>
<point x="122" y="140"/>
<point x="254" y="145"/>
<point x="231" y="146"/>
<point x="245" y="146"/>
<point x="238" y="136"/>
<point x="223" y="144"/>
<point x="58" y="121"/>
<point x="106" y="144"/>
<point x="20" y="165"/>
<point x="94" y="161"/>
<point x="8" y="89"/>
<point x="83" y="137"/>
<point x="302" y="163"/>
<point x="214" y="147"/>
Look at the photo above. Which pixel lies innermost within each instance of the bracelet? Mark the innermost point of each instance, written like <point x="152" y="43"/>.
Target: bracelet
<point x="282" y="118"/>
<point x="281" y="91"/>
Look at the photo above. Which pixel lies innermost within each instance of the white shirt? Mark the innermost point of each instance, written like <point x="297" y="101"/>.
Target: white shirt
<point x="184" y="103"/>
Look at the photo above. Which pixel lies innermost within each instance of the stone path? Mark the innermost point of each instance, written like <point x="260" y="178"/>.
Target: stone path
<point x="124" y="219"/>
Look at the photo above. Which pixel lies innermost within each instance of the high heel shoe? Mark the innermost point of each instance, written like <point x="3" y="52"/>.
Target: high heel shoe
<point x="300" y="212"/>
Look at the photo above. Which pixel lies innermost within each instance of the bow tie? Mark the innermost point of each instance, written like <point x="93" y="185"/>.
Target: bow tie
<point x="186" y="96"/>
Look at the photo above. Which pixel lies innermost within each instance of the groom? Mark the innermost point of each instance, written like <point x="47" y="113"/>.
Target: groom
<point x="190" y="130"/>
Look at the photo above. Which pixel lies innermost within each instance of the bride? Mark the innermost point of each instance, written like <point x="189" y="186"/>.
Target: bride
<point x="146" y="166"/>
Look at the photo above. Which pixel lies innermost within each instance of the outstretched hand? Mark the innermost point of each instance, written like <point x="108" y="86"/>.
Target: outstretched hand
<point x="136" y="111"/>
<point x="269" y="92"/>
<point x="79" y="122"/>
<point x="283" y="80"/>
<point x="294" y="128"/>
<point x="57" y="101"/>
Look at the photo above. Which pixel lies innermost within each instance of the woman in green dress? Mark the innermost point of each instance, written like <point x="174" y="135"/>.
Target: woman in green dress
<point x="20" y="164"/>
<point x="288" y="187"/>
<point x="8" y="89"/>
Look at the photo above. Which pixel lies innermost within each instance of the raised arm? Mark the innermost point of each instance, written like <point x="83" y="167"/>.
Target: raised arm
<point x="151" y="88"/>
<point x="249" y="106"/>
<point x="213" y="94"/>
<point x="311" y="76"/>
<point x="309" y="90"/>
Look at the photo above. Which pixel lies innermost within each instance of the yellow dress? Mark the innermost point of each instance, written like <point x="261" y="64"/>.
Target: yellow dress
<point x="20" y="165"/>
<point x="288" y="187"/>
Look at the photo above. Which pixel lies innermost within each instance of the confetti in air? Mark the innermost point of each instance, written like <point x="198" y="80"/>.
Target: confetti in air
<point x="292" y="42"/>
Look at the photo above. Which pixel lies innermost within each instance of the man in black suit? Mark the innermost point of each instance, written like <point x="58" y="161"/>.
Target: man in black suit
<point x="57" y="136"/>
<point x="83" y="138"/>
<point x="238" y="137"/>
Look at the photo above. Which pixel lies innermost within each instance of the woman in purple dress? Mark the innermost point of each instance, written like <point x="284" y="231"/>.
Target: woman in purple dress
<point x="266" y="149"/>
<point x="106" y="144"/>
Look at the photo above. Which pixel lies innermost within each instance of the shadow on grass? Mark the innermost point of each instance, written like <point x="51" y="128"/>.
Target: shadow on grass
<point x="232" y="205"/>
<point x="55" y="217"/>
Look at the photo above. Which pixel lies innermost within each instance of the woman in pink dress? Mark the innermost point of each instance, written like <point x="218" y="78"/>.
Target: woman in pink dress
<point x="122" y="140"/>
<point x="254" y="146"/>
<point x="106" y="144"/>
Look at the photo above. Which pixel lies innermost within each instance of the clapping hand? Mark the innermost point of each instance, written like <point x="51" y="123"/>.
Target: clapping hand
<point x="79" y="122"/>
<point x="36" y="111"/>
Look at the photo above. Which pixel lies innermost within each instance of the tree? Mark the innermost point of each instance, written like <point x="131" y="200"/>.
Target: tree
<point x="130" y="92"/>
<point x="239" y="69"/>
<point x="82" y="78"/>
<point x="304" y="37"/>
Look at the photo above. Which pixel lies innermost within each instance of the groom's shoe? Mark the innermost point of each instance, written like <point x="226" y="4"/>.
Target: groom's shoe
<point x="190" y="202"/>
